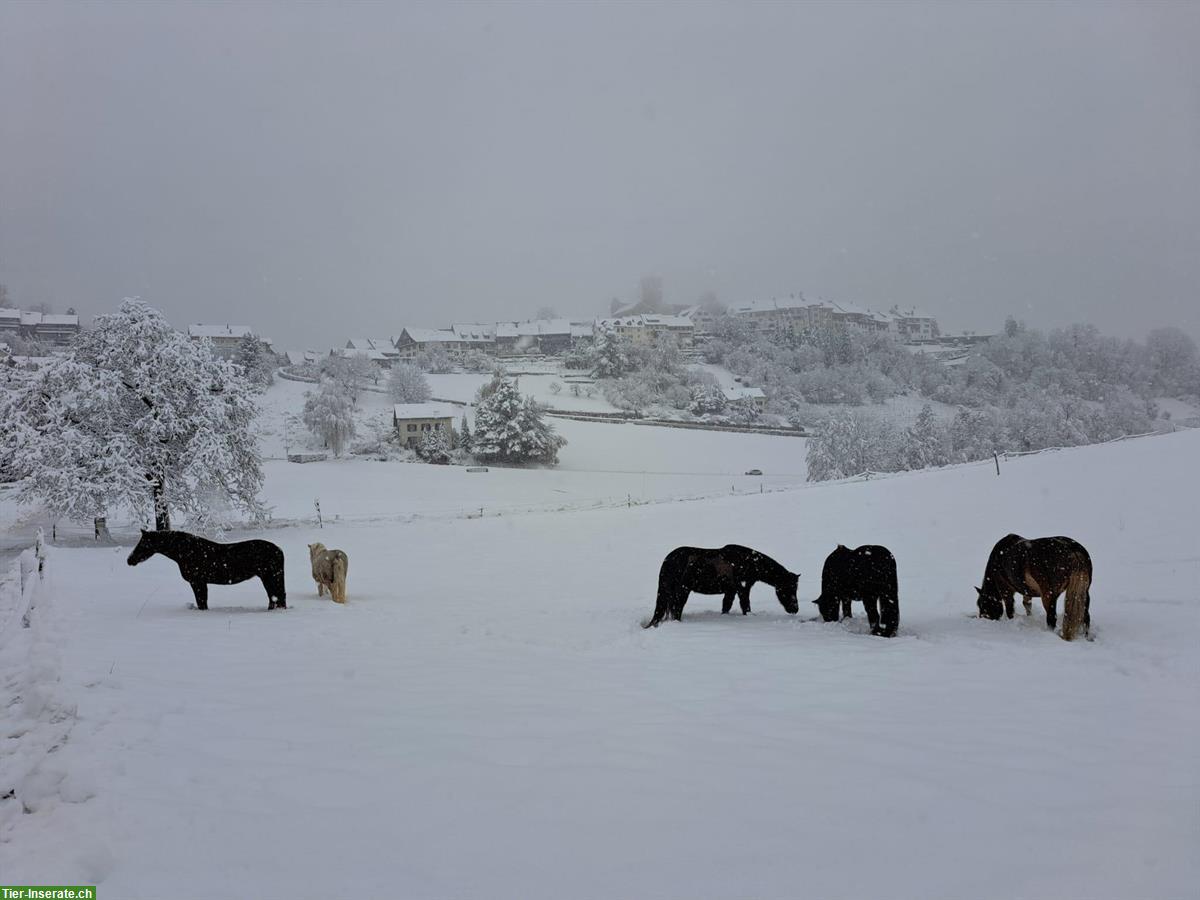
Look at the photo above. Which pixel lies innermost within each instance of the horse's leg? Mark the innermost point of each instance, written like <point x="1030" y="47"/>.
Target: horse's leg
<point x="272" y="583"/>
<point x="727" y="603"/>
<point x="677" y="604"/>
<point x="846" y="613"/>
<point x="200" y="589"/>
<point x="1050" y="604"/>
<point x="1009" y="605"/>
<point x="870" y="604"/>
<point x="744" y="599"/>
<point x="320" y="589"/>
<point x="889" y="617"/>
<point x="1028" y="601"/>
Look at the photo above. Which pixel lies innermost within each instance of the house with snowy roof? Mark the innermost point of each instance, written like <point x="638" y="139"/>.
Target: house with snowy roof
<point x="914" y="324"/>
<point x="413" y="421"/>
<point x="680" y="329"/>
<point x="55" y="329"/>
<point x="10" y="322"/>
<point x="48" y="329"/>
<point x="225" y="339"/>
<point x="549" y="336"/>
<point x="476" y="335"/>
<point x="414" y="341"/>
<point x="746" y="396"/>
<point x="301" y="358"/>
<point x="794" y="314"/>
<point x="379" y="349"/>
<point x="703" y="321"/>
<point x="583" y="334"/>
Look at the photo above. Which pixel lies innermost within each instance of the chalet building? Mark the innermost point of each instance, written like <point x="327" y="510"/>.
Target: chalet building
<point x="792" y="315"/>
<point x="414" y="341"/>
<point x="54" y="330"/>
<point x="386" y="347"/>
<point x="744" y="396"/>
<point x="650" y="328"/>
<point x="860" y="318"/>
<point x="302" y="358"/>
<point x="915" y="325"/>
<point x="703" y="322"/>
<point x="381" y="351"/>
<point x="553" y="335"/>
<point x="547" y="336"/>
<point x="629" y="328"/>
<point x="680" y="329"/>
<point x="413" y="421"/>
<point x="225" y="339"/>
<point x="583" y="334"/>
<point x="47" y="329"/>
<point x="476" y="336"/>
<point x="10" y="322"/>
<point x="797" y="314"/>
<point x="381" y="359"/>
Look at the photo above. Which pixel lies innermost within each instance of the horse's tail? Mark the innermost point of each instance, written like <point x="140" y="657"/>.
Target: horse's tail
<point x="340" y="565"/>
<point x="662" y="605"/>
<point x="1079" y="583"/>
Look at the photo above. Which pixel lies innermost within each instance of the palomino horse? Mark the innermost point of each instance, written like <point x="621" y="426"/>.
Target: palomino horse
<point x="730" y="570"/>
<point x="203" y="562"/>
<point x="329" y="569"/>
<point x="866" y="573"/>
<point x="1041" y="567"/>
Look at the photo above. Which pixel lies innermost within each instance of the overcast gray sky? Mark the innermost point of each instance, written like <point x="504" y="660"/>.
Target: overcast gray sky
<point x="320" y="171"/>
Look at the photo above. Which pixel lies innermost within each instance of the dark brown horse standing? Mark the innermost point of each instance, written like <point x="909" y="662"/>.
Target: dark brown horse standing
<point x="203" y="562"/>
<point x="866" y="573"/>
<point x="1041" y="567"/>
<point x="731" y="570"/>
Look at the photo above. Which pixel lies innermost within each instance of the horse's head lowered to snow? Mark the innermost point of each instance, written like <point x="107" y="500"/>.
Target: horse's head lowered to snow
<point x="991" y="606"/>
<point x="146" y="547"/>
<point x="786" y="592"/>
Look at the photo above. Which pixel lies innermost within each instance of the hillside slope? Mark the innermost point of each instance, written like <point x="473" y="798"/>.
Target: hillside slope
<point x="486" y="718"/>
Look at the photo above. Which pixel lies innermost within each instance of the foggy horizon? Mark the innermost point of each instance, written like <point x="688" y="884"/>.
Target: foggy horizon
<point x="321" y="172"/>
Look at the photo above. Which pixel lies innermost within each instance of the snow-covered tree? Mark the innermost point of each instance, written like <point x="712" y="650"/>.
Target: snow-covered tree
<point x="508" y="429"/>
<point x="579" y="357"/>
<point x="329" y="414"/>
<point x="435" y="360"/>
<point x="464" y="435"/>
<point x="350" y="374"/>
<point x="925" y="442"/>
<point x="1174" y="360"/>
<point x="407" y="384"/>
<point x="256" y="361"/>
<point x="848" y="443"/>
<point x="133" y="415"/>
<point x="434" y="447"/>
<point x="611" y="356"/>
<point x="477" y="361"/>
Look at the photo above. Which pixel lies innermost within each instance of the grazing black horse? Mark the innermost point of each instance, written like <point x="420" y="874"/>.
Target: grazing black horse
<point x="866" y="573"/>
<point x="730" y="570"/>
<point x="1041" y="567"/>
<point x="203" y="562"/>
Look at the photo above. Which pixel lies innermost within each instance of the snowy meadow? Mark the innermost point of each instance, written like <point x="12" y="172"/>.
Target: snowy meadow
<point x="487" y="718"/>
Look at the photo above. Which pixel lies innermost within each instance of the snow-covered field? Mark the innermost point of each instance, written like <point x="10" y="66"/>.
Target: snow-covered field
<point x="603" y="464"/>
<point x="486" y="718"/>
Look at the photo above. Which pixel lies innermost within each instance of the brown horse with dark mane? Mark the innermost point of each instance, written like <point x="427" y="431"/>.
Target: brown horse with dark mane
<point x="1041" y="567"/>
<point x="730" y="570"/>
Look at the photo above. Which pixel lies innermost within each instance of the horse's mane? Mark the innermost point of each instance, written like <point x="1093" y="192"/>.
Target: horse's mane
<point x="771" y="572"/>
